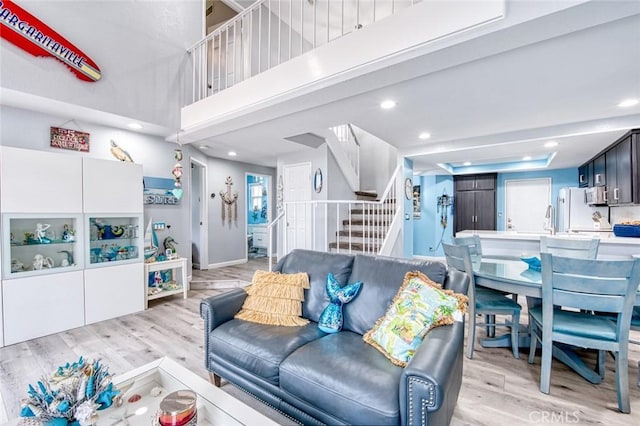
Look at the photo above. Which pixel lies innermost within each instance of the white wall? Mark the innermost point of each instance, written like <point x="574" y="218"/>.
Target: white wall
<point x="30" y="130"/>
<point x="228" y="241"/>
<point x="378" y="161"/>
<point x="139" y="46"/>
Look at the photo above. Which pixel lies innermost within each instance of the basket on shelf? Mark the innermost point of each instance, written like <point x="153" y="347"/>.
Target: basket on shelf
<point x="626" y="230"/>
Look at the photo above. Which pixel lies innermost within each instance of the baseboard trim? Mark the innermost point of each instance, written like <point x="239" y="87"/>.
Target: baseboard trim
<point x="228" y="263"/>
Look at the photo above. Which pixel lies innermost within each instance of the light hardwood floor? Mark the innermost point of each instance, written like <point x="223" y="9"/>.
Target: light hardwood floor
<point x="496" y="388"/>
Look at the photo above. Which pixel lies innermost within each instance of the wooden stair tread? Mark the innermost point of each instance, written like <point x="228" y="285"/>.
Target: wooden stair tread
<point x="372" y="222"/>
<point x="361" y="234"/>
<point x="355" y="246"/>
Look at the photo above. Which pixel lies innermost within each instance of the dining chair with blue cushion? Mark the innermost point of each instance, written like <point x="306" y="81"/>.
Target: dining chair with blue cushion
<point x="588" y="285"/>
<point x="482" y="301"/>
<point x="576" y="247"/>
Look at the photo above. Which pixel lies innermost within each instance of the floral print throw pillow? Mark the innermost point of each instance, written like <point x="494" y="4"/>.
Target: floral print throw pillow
<point x="419" y="306"/>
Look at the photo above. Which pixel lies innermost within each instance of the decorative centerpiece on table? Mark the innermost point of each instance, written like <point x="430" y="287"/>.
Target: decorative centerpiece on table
<point x="72" y="395"/>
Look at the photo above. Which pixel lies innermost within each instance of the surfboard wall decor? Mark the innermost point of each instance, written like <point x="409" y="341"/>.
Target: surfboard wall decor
<point x="32" y="35"/>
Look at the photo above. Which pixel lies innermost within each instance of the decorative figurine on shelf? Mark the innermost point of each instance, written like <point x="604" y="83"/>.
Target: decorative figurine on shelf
<point x="68" y="261"/>
<point x="42" y="262"/>
<point x="16" y="265"/>
<point x="169" y="244"/>
<point x="229" y="201"/>
<point x="68" y="234"/>
<point x="41" y="233"/>
<point x="120" y="153"/>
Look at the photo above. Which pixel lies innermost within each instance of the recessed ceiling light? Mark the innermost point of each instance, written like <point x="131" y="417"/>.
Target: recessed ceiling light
<point x="467" y="163"/>
<point x="232" y="153"/>
<point x="526" y="158"/>
<point x="424" y="135"/>
<point x="135" y="126"/>
<point x="388" y="104"/>
<point x="550" y="144"/>
<point x="204" y="146"/>
<point x="628" y="103"/>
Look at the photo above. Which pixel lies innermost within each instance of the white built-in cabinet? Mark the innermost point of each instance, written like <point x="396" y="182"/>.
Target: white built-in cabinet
<point x="94" y="272"/>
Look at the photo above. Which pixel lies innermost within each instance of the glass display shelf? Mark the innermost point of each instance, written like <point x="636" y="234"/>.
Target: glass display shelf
<point x="37" y="245"/>
<point x="113" y="239"/>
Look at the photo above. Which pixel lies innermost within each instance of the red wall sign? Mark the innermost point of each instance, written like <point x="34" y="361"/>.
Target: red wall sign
<point x="29" y="33"/>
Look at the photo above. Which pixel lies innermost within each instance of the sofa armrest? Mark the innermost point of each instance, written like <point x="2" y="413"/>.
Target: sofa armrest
<point x="218" y="309"/>
<point x="431" y="381"/>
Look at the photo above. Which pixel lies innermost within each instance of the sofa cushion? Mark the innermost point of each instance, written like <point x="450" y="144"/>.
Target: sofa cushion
<point x="342" y="375"/>
<point x="419" y="306"/>
<point x="317" y="265"/>
<point x="275" y="299"/>
<point x="259" y="348"/>
<point x="381" y="278"/>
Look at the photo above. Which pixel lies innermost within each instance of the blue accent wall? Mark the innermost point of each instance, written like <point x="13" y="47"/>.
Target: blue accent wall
<point x="428" y="230"/>
<point x="559" y="179"/>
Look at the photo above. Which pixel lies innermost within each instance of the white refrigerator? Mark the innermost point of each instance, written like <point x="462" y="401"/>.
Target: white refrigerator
<point x="575" y="215"/>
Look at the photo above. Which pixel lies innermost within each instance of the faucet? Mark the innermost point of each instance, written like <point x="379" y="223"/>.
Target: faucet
<point x="550" y="217"/>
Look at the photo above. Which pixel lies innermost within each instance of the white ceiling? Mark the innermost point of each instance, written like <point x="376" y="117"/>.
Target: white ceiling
<point x="490" y="107"/>
<point x="491" y="110"/>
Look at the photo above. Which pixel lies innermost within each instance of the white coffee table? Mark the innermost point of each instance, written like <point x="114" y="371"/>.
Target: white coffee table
<point x="215" y="407"/>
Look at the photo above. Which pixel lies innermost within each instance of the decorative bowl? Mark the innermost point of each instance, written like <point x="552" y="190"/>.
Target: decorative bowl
<point x="533" y="262"/>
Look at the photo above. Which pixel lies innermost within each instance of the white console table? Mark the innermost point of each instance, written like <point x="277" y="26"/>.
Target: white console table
<point x="179" y="268"/>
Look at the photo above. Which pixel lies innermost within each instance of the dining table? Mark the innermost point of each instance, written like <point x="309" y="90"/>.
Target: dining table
<point x="514" y="276"/>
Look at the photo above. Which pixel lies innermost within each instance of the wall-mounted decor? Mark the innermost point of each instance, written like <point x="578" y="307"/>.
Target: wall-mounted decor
<point x="37" y="38"/>
<point x="280" y="194"/>
<point x="229" y="201"/>
<point x="416" y="201"/>
<point x="177" y="173"/>
<point x="408" y="188"/>
<point x="69" y="139"/>
<point x="159" y="191"/>
<point x="317" y="181"/>
<point x="118" y="152"/>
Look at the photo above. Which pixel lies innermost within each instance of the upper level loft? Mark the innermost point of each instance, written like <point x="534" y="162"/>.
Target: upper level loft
<point x="276" y="51"/>
<point x="474" y="75"/>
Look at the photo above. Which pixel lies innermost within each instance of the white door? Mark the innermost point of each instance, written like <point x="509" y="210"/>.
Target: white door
<point x="526" y="202"/>
<point x="297" y="187"/>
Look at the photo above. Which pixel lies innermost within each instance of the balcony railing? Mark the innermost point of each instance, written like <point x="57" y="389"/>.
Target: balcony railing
<point x="271" y="32"/>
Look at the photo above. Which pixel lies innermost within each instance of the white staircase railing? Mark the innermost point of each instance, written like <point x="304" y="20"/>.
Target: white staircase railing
<point x="342" y="226"/>
<point x="271" y="32"/>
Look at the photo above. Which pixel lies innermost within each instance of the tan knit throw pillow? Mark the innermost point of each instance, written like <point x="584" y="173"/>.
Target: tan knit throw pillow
<point x="275" y="299"/>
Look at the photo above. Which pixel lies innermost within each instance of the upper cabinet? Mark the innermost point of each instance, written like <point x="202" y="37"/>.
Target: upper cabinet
<point x="40" y="182"/>
<point x="617" y="168"/>
<point x="583" y="175"/>
<point x="620" y="180"/>
<point x="111" y="186"/>
<point x="600" y="171"/>
<point x="475" y="182"/>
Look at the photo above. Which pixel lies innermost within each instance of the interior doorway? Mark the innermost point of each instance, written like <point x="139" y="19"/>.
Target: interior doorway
<point x="526" y="202"/>
<point x="258" y="190"/>
<point x="199" y="239"/>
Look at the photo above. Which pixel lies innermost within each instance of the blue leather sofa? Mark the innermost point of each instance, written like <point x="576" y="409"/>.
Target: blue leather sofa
<point x="338" y="378"/>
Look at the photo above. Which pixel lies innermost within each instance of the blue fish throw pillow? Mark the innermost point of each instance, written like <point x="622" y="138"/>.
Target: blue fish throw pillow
<point x="331" y="319"/>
